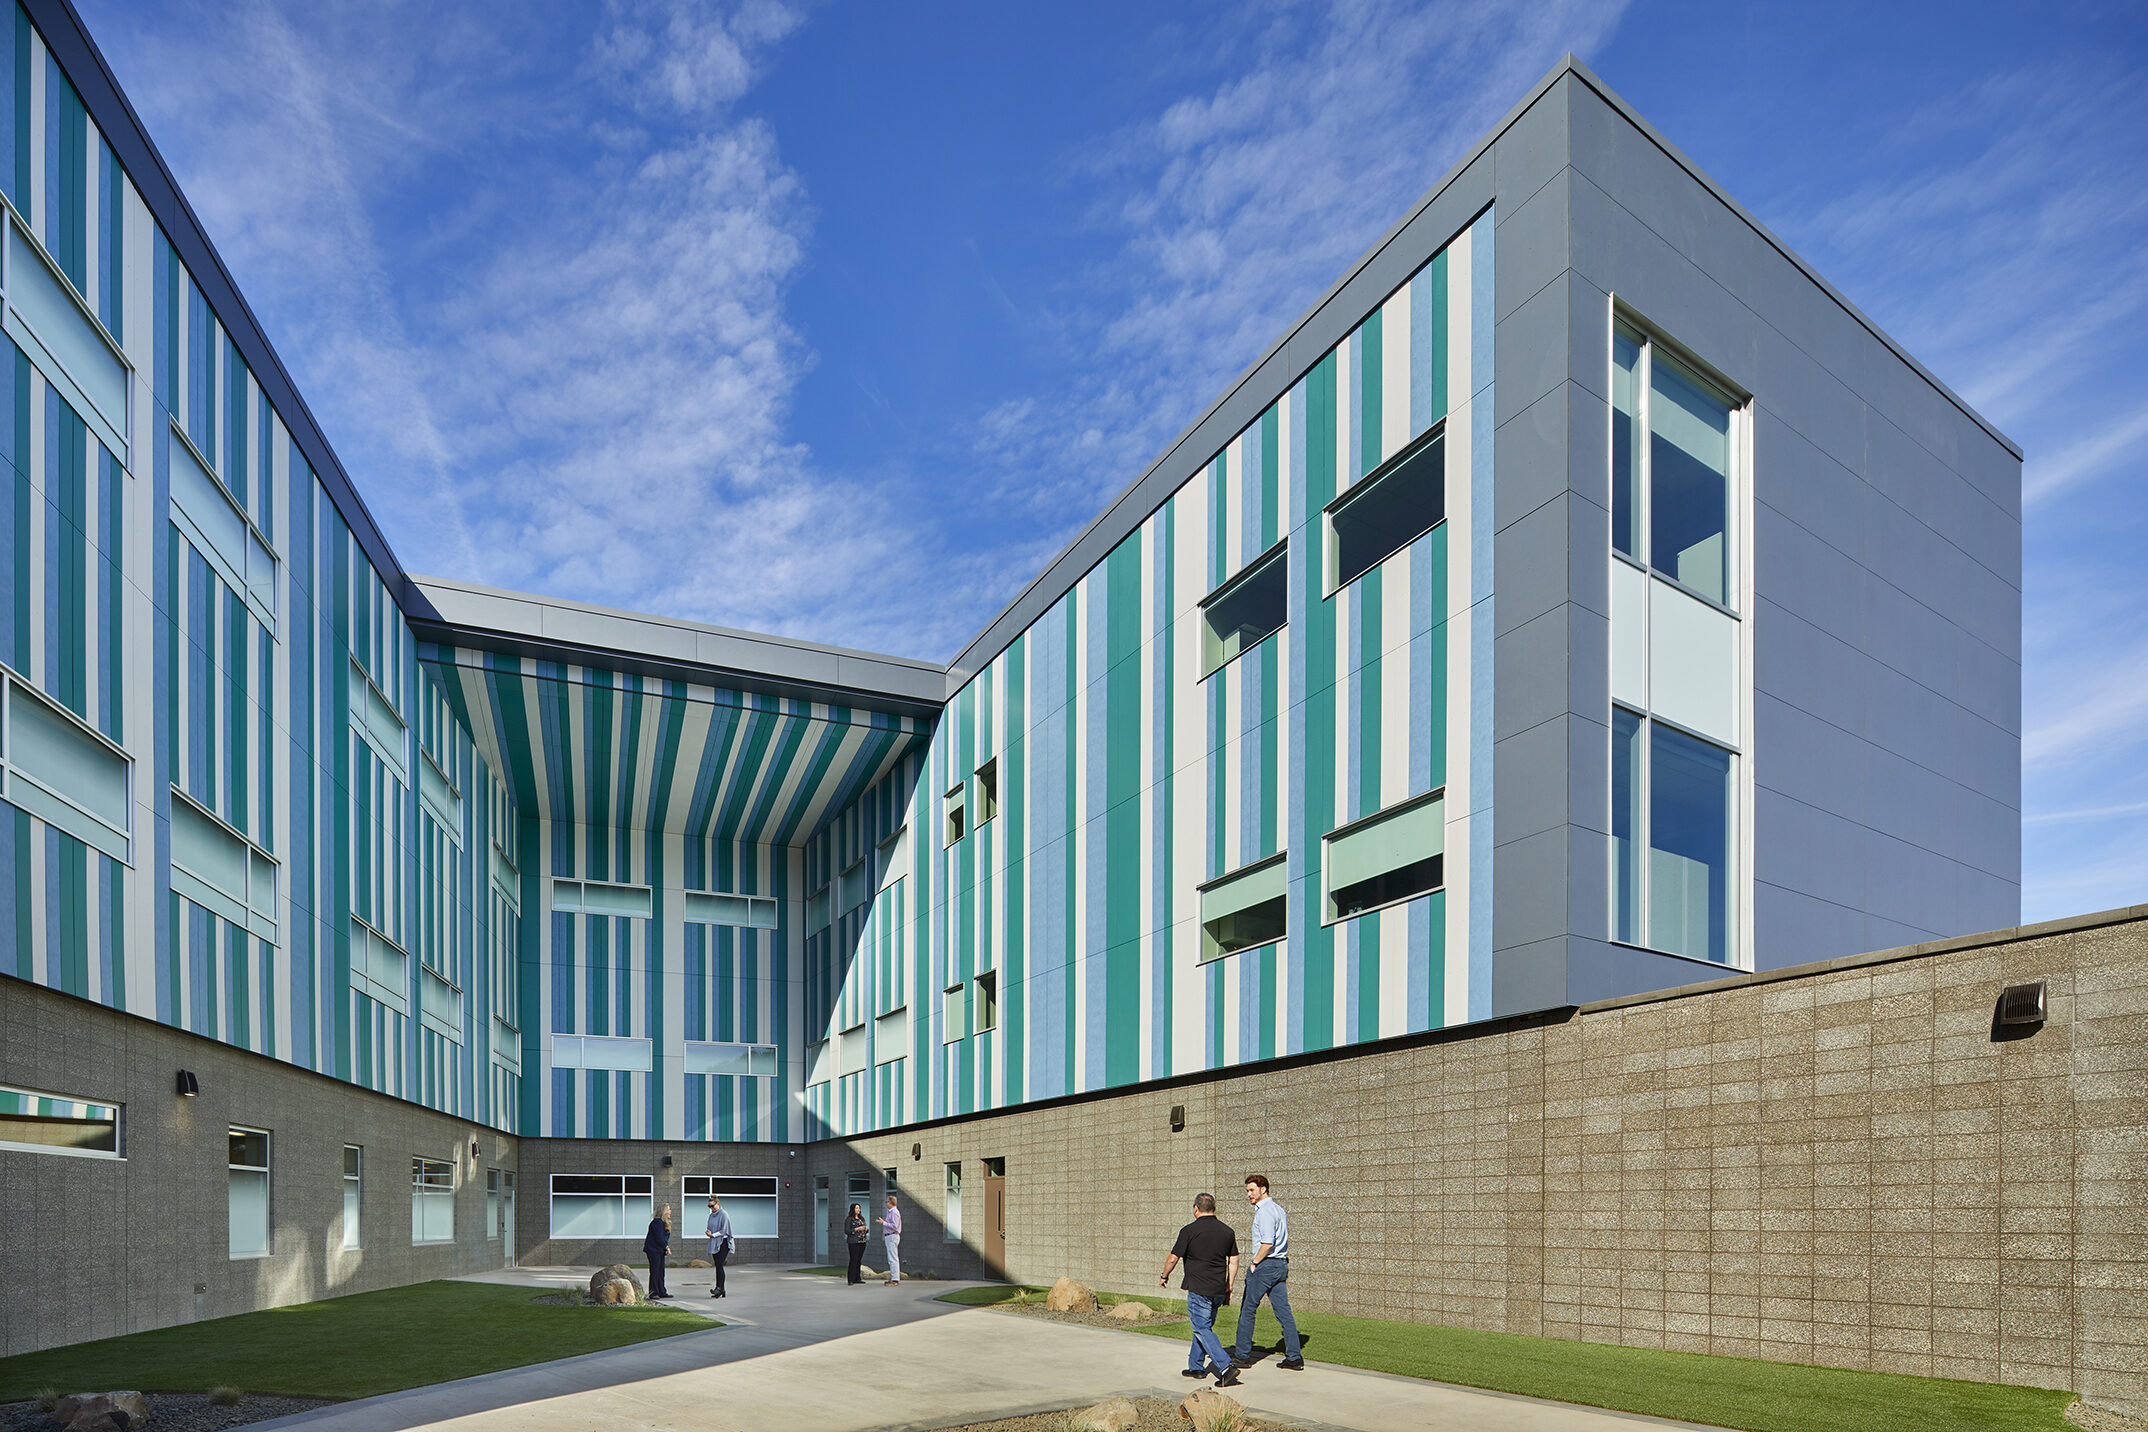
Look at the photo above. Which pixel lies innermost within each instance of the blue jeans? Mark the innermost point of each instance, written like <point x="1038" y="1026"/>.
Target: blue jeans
<point x="1201" y="1309"/>
<point x="1265" y="1280"/>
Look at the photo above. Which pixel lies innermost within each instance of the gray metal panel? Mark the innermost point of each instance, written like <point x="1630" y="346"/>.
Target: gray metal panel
<point x="1532" y="780"/>
<point x="1529" y="676"/>
<point x="1532" y="236"/>
<point x="1794" y="928"/>
<point x="1530" y="977"/>
<point x="1598" y="969"/>
<point x="1529" y="903"/>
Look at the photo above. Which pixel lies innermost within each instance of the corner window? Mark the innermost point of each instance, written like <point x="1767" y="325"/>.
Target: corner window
<point x="953" y="1220"/>
<point x="57" y="768"/>
<point x="750" y="1203"/>
<point x="1245" y="909"/>
<point x="247" y="1182"/>
<point x="1397" y="503"/>
<point x="432" y="1200"/>
<point x="54" y="1124"/>
<point x="1671" y="820"/>
<point x="1247" y="609"/>
<point x="1673" y="445"/>
<point x="601" y="1205"/>
<point x="353" y="1189"/>
<point x="1396" y="855"/>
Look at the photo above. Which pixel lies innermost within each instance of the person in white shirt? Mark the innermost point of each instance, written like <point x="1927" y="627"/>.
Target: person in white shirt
<point x="1266" y="1274"/>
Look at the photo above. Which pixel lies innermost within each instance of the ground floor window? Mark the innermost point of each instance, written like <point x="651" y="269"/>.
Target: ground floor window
<point x="248" y="1182"/>
<point x="46" y="1123"/>
<point x="601" y="1205"/>
<point x="432" y="1201"/>
<point x="492" y="1203"/>
<point x="353" y="1167"/>
<point x="750" y="1203"/>
<point x="954" y="1203"/>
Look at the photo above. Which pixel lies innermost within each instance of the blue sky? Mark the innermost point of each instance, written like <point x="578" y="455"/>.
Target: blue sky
<point x="838" y="320"/>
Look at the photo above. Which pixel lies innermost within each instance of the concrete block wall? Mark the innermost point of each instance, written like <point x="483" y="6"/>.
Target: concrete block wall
<point x="541" y="1158"/>
<point x="98" y="1247"/>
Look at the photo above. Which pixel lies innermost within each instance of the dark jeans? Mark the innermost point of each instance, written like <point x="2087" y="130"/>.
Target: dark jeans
<point x="717" y="1258"/>
<point x="1266" y="1281"/>
<point x="857" y="1262"/>
<point x="656" y="1277"/>
<point x="1206" y="1347"/>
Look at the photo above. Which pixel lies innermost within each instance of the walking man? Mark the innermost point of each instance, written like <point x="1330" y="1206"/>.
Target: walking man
<point x="891" y="1237"/>
<point x="1210" y="1251"/>
<point x="1265" y="1277"/>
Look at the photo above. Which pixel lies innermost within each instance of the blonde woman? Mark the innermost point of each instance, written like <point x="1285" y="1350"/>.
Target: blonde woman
<point x="657" y="1245"/>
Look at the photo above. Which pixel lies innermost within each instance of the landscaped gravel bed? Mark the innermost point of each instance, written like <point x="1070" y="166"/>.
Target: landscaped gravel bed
<point x="1157" y="1414"/>
<point x="1102" y="1318"/>
<point x="174" y="1412"/>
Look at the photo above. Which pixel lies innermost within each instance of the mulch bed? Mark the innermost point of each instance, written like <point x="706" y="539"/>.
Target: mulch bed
<point x="1158" y="1414"/>
<point x="175" y="1412"/>
<point x="1100" y="1319"/>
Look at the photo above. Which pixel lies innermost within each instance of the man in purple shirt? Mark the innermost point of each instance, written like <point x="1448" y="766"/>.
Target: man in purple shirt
<point x="891" y="1235"/>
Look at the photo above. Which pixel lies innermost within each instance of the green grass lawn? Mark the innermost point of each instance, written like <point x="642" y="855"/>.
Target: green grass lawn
<point x="347" y="1347"/>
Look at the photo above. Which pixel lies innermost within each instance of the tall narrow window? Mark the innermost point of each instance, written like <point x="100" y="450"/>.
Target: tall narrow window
<point x="353" y="1189"/>
<point x="1626" y="464"/>
<point x="247" y="1180"/>
<point x="1672" y="477"/>
<point x="1671" y="822"/>
<point x="987" y="790"/>
<point x="1244" y="611"/>
<point x="953" y="1220"/>
<point x="492" y="1203"/>
<point x="1627" y="785"/>
<point x="958" y="824"/>
<point x="988" y="1000"/>
<point x="432" y="1200"/>
<point x="956" y="1014"/>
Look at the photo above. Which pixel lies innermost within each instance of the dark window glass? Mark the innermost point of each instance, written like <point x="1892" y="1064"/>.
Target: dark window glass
<point x="1689" y="845"/>
<point x="1250" y="928"/>
<point x="1245" y="610"/>
<point x="1389" y="510"/>
<point x="1420" y="877"/>
<point x="725" y="1187"/>
<point x="585" y="1183"/>
<point x="1626" y="787"/>
<point x="1625" y="444"/>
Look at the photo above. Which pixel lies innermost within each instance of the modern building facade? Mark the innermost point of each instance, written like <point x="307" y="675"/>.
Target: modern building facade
<point x="1582" y="599"/>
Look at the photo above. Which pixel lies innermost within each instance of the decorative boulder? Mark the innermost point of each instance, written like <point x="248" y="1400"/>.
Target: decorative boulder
<point x="1208" y="1407"/>
<point x="1068" y="1296"/>
<point x="102" y="1412"/>
<point x="616" y="1284"/>
<point x="698" y="1263"/>
<point x="1114" y="1414"/>
<point x="1130" y="1312"/>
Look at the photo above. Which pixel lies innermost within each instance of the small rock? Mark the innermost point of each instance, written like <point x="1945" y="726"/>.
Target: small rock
<point x="1068" y="1296"/>
<point x="1114" y="1414"/>
<point x="102" y="1411"/>
<point x="1208" y="1407"/>
<point x="1130" y="1312"/>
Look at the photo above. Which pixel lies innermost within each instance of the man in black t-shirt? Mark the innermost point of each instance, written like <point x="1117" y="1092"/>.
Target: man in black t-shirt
<point x="1210" y="1251"/>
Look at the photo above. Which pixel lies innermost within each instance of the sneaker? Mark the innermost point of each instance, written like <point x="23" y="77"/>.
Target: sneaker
<point x="1193" y="1372"/>
<point x="1228" y="1377"/>
<point x="1292" y="1364"/>
<point x="1238" y="1361"/>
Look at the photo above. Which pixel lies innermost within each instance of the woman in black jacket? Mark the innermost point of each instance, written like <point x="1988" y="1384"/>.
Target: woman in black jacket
<point x="856" y="1232"/>
<point x="657" y="1245"/>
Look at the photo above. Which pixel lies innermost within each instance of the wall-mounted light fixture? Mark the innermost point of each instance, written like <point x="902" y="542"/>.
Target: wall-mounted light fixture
<point x="1178" y="1118"/>
<point x="189" y="1086"/>
<point x="473" y="1151"/>
<point x="667" y="1160"/>
<point x="917" y="1151"/>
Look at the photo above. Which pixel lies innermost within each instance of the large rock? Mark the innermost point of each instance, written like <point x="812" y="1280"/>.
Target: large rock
<point x="1068" y="1296"/>
<point x="1130" y="1311"/>
<point x="1114" y="1414"/>
<point x="102" y="1411"/>
<point x="1209" y="1408"/>
<point x="616" y="1284"/>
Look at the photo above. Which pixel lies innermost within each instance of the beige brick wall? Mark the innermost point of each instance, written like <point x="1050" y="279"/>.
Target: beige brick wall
<point x="1836" y="1165"/>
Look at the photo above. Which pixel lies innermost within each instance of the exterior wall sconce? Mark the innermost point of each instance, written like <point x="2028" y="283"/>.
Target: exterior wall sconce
<point x="189" y="1086"/>
<point x="917" y="1151"/>
<point x="1178" y="1118"/>
<point x="2022" y="1004"/>
<point x="667" y="1160"/>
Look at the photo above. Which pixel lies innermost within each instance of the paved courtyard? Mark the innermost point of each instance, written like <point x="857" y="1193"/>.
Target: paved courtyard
<point x="806" y="1353"/>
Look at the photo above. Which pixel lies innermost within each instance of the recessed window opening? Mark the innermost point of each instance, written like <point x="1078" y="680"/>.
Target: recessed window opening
<point x="957" y="816"/>
<point x="353" y="1191"/>
<point x="599" y="897"/>
<point x="750" y="1202"/>
<point x="740" y="1061"/>
<point x="987" y="1000"/>
<point x="59" y="769"/>
<point x="953" y="1221"/>
<point x="987" y="790"/>
<point x="247" y="1181"/>
<point x="1672" y="801"/>
<point x="1392" y="507"/>
<point x="221" y="870"/>
<point x="601" y="1205"/>
<point x="1386" y="858"/>
<point x="1673" y="453"/>
<point x="955" y="1013"/>
<point x="432" y="1200"/>
<point x="54" y="1124"/>
<point x="757" y="912"/>
<point x="492" y="1203"/>
<point x="1245" y="910"/>
<point x="819" y="907"/>
<point x="1246" y="610"/>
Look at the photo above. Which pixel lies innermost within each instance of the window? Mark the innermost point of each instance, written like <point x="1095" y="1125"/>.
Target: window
<point x="440" y="1004"/>
<point x="71" y="347"/>
<point x="61" y="771"/>
<point x="855" y="1049"/>
<point x="379" y="966"/>
<point x="597" y="897"/>
<point x="856" y="886"/>
<point x="432" y="1200"/>
<point x="221" y="870"/>
<point x="601" y="1205"/>
<point x="957" y="820"/>
<point x="857" y="1187"/>
<point x="818" y="915"/>
<point x="492" y="1203"/>
<point x="1671" y="797"/>
<point x="1400" y="501"/>
<point x="440" y="796"/>
<point x="987" y="1000"/>
<point x="988" y="790"/>
<point x="1672" y="449"/>
<point x="721" y="908"/>
<point x="601" y="1051"/>
<point x="353" y="1189"/>
<point x="953" y="1221"/>
<point x="750" y="1203"/>
<point x="1243" y="611"/>
<point x="374" y="716"/>
<point x="1392" y="856"/>
<point x="1245" y="909"/>
<point x="52" y="1124"/>
<point x="248" y="1185"/>
<point x="751" y="1061"/>
<point x="955" y="1014"/>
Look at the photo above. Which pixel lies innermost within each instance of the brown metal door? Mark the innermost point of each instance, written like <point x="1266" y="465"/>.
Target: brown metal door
<point x="995" y="1230"/>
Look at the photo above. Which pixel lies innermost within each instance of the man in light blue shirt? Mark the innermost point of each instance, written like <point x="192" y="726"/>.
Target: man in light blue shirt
<point x="1265" y="1277"/>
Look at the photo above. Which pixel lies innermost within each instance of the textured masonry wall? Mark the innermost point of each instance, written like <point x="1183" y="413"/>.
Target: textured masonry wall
<point x="541" y="1158"/>
<point x="1841" y="1167"/>
<point x="93" y="1248"/>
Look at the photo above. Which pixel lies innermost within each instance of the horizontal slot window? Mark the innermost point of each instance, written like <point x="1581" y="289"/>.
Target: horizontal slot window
<point x="51" y="1123"/>
<point x="61" y="771"/>
<point x="1398" y="503"/>
<point x="741" y="1061"/>
<point x="1245" y="910"/>
<point x="220" y="870"/>
<point x="750" y="1203"/>
<point x="601" y="1205"/>
<point x="600" y="1051"/>
<point x="596" y="897"/>
<point x="1395" y="855"/>
<point x="84" y="364"/>
<point x="1246" y="610"/>
<point x="752" y="911"/>
<point x="379" y="967"/>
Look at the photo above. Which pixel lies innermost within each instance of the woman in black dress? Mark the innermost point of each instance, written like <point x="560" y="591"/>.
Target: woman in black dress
<point x="656" y="1244"/>
<point x="856" y="1232"/>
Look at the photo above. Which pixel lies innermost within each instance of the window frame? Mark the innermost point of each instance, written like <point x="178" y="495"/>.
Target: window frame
<point x="1735" y="803"/>
<point x="1736" y="518"/>
<point x="1400" y="809"/>
<point x="951" y="1193"/>
<point x="1276" y="553"/>
<point x="690" y="1197"/>
<point x="986" y="778"/>
<point x="353" y="1198"/>
<point x="270" y="925"/>
<point x="267" y="1170"/>
<point x="1211" y="947"/>
<point x="11" y="771"/>
<point x="954" y="999"/>
<point x="424" y="1195"/>
<point x="624" y="1195"/>
<point x="120" y="443"/>
<point x="119" y="1127"/>
<point x="955" y="815"/>
<point x="984" y="1001"/>
<point x="1331" y="574"/>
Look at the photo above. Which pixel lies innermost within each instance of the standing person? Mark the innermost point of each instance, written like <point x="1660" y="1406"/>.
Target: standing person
<point x="891" y="1236"/>
<point x="720" y="1242"/>
<point x="855" y="1231"/>
<point x="1265" y="1277"/>
<point x="1210" y="1251"/>
<point x="656" y="1246"/>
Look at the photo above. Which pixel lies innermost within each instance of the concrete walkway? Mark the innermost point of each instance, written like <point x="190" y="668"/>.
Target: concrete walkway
<point x="806" y="1353"/>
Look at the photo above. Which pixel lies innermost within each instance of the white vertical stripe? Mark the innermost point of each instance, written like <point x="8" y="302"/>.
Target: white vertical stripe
<point x="1456" y="458"/>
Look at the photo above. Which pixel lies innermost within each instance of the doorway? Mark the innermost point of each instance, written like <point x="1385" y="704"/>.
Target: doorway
<point x="820" y="1220"/>
<point x="994" y="1239"/>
